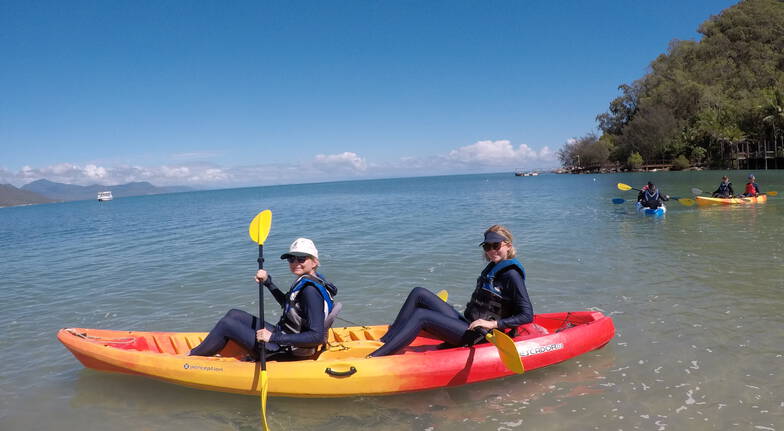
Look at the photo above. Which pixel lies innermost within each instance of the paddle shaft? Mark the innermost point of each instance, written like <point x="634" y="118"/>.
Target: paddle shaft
<point x="668" y="197"/>
<point x="262" y="350"/>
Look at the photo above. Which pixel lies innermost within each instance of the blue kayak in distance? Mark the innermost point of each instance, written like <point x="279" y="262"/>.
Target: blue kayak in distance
<point x="645" y="210"/>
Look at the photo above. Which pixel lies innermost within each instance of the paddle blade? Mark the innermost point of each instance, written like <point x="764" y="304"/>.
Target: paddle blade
<point x="618" y="200"/>
<point x="506" y="350"/>
<point x="443" y="294"/>
<point x="686" y="201"/>
<point x="772" y="193"/>
<point x="624" y="187"/>
<point x="260" y="227"/>
<point x="264" y="388"/>
<point x="696" y="192"/>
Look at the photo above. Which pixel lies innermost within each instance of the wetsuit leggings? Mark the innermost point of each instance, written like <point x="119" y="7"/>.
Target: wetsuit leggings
<point x="423" y="310"/>
<point x="236" y="325"/>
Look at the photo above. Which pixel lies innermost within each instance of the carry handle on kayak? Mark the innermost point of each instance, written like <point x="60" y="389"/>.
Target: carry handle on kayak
<point x="334" y="373"/>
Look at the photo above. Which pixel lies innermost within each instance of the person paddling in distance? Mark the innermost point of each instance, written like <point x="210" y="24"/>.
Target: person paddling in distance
<point x="651" y="197"/>
<point x="500" y="301"/>
<point x="308" y="309"/>
<point x="725" y="189"/>
<point x="752" y="188"/>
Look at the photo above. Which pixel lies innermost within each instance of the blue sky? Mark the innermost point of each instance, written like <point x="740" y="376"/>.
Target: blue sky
<point x="224" y="94"/>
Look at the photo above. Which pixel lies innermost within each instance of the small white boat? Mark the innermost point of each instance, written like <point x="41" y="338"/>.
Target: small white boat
<point x="105" y="196"/>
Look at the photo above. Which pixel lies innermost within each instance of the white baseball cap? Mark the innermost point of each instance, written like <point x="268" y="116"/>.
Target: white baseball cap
<point x="301" y="247"/>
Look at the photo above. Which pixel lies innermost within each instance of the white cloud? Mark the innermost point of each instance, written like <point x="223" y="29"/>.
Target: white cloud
<point x="195" y="155"/>
<point x="498" y="153"/>
<point x="96" y="172"/>
<point x="346" y="162"/>
<point x="481" y="156"/>
<point x="197" y="174"/>
<point x="176" y="171"/>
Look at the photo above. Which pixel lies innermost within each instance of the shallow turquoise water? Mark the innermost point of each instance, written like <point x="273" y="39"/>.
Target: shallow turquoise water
<point x="696" y="297"/>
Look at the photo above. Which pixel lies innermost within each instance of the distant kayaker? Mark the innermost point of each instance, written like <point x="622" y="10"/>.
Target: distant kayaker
<point x="651" y="197"/>
<point x="752" y="188"/>
<point x="306" y="307"/>
<point x="725" y="189"/>
<point x="500" y="300"/>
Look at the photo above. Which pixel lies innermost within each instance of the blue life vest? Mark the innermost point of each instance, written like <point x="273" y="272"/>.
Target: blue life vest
<point x="291" y="321"/>
<point x="487" y="302"/>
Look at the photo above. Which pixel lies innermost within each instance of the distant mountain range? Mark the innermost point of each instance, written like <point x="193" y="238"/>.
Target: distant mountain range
<point x="11" y="196"/>
<point x="43" y="191"/>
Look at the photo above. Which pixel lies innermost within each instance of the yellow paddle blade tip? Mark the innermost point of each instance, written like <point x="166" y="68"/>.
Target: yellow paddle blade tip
<point x="260" y="227"/>
<point x="506" y="350"/>
<point x="443" y="294"/>
<point x="624" y="187"/>
<point x="686" y="201"/>
<point x="264" y="389"/>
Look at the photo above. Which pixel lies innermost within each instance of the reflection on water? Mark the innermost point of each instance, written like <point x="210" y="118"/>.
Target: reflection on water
<point x="696" y="297"/>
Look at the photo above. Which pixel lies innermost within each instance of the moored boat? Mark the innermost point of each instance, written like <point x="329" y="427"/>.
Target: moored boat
<point x="105" y="196"/>
<point x="704" y="200"/>
<point x="342" y="367"/>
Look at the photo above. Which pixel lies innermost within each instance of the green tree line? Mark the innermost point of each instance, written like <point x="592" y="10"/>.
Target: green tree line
<point x="699" y="97"/>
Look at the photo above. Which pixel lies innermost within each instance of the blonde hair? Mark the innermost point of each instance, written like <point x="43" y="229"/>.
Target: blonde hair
<point x="504" y="231"/>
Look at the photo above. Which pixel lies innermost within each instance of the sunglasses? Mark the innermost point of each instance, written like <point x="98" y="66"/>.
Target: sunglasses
<point x="300" y="259"/>
<point x="487" y="246"/>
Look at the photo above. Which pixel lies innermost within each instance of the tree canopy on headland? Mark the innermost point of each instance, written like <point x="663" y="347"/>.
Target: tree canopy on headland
<point x="699" y="96"/>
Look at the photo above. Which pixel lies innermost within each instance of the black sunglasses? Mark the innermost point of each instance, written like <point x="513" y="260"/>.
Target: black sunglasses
<point x="300" y="259"/>
<point x="487" y="246"/>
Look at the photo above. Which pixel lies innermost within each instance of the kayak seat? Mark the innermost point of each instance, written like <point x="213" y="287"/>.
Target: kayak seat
<point x="330" y="319"/>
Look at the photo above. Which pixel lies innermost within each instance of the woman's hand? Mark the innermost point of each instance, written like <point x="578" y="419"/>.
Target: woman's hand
<point x="261" y="276"/>
<point x="263" y="335"/>
<point x="489" y="324"/>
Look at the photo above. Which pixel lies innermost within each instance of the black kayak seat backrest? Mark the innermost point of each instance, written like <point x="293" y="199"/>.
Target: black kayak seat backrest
<point x="330" y="319"/>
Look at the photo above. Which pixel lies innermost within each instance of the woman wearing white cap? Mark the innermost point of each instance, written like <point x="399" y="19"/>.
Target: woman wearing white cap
<point x="307" y="307"/>
<point x="500" y="301"/>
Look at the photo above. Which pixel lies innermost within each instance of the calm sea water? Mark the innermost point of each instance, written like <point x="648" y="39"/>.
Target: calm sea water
<point x="697" y="298"/>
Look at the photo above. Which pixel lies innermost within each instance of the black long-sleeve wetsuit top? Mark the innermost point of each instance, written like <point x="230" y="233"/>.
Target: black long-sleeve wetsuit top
<point x="730" y="191"/>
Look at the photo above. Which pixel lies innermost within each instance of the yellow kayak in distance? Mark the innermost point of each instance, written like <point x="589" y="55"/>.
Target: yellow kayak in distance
<point x="705" y="201"/>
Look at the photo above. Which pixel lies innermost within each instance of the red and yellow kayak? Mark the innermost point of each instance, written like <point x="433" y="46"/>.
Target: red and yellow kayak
<point x="704" y="200"/>
<point x="342" y="368"/>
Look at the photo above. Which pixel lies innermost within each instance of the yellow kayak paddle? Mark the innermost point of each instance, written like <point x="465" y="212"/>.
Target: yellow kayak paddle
<point x="259" y="229"/>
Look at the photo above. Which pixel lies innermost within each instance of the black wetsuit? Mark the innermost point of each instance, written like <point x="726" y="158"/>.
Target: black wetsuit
<point x="724" y="191"/>
<point x="423" y="310"/>
<point x="241" y="326"/>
